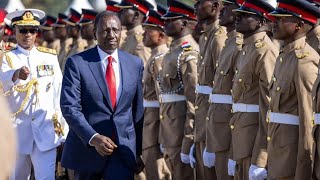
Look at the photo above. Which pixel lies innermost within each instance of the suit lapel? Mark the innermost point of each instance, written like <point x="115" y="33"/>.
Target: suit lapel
<point x="124" y="75"/>
<point x="96" y="70"/>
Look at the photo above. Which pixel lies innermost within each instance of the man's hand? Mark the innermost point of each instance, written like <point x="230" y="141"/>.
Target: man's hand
<point x="21" y="73"/>
<point x="104" y="145"/>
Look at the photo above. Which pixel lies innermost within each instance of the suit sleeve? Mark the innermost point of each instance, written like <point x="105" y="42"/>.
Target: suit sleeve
<point x="70" y="102"/>
<point x="189" y="78"/>
<point x="138" y="110"/>
<point x="264" y="69"/>
<point x="304" y="80"/>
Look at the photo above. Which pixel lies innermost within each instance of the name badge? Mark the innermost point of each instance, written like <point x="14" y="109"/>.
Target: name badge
<point x="45" y="70"/>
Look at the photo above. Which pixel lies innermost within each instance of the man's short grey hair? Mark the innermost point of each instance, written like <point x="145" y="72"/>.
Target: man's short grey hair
<point x="105" y="14"/>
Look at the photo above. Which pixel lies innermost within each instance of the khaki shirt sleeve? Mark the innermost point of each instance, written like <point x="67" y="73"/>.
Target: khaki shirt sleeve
<point x="7" y="141"/>
<point x="143" y="52"/>
<point x="264" y="69"/>
<point x="189" y="78"/>
<point x="304" y="80"/>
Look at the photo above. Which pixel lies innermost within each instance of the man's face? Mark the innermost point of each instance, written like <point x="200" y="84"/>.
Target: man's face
<point x="227" y="17"/>
<point x="87" y="31"/>
<point x="48" y="35"/>
<point x="246" y="23"/>
<point x="26" y="36"/>
<point x="284" y="27"/>
<point x="73" y="31"/>
<point x="151" y="36"/>
<point x="203" y="9"/>
<point x="108" y="33"/>
<point x="60" y="32"/>
<point x="173" y="27"/>
<point x="126" y="16"/>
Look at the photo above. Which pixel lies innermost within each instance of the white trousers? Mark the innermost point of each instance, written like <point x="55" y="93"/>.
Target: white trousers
<point x="43" y="164"/>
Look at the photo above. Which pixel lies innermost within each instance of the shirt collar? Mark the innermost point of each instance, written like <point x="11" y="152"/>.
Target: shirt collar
<point x="24" y="51"/>
<point x="104" y="56"/>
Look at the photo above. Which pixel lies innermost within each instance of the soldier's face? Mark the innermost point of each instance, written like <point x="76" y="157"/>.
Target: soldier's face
<point x="247" y="23"/>
<point x="284" y="27"/>
<point x="173" y="27"/>
<point x="73" y="31"/>
<point x="151" y="37"/>
<point x="108" y="33"/>
<point x="26" y="36"/>
<point x="60" y="32"/>
<point x="227" y="17"/>
<point x="87" y="31"/>
<point x="203" y="9"/>
<point x="127" y="16"/>
<point x="48" y="35"/>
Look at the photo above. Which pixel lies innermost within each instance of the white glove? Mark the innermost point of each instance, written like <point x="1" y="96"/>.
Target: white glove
<point x="161" y="148"/>
<point x="184" y="158"/>
<point x="208" y="158"/>
<point x="192" y="157"/>
<point x="257" y="173"/>
<point x="231" y="167"/>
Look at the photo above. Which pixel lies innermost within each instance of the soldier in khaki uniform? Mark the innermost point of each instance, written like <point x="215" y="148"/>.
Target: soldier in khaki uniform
<point x="49" y="39"/>
<point x="132" y="15"/>
<point x="313" y="37"/>
<point x="254" y="68"/>
<point x="86" y="24"/>
<point x="73" y="29"/>
<point x="60" y="31"/>
<point x="218" y="134"/>
<point x="290" y="115"/>
<point x="178" y="79"/>
<point x="155" y="38"/>
<point x="210" y="43"/>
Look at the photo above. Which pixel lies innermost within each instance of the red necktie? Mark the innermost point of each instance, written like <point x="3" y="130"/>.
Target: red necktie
<point x="111" y="81"/>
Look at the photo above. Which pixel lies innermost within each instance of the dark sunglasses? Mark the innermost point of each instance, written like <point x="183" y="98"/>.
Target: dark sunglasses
<point x="25" y="31"/>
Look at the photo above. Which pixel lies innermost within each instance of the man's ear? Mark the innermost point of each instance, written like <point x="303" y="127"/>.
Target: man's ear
<point x="94" y="33"/>
<point x="300" y="25"/>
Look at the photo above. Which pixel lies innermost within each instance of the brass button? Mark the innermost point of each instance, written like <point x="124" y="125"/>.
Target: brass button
<point x="274" y="79"/>
<point x="236" y="71"/>
<point x="267" y="120"/>
<point x="221" y="72"/>
<point x="231" y="91"/>
<point x="268" y="138"/>
<point x="231" y="126"/>
<point x="240" y="80"/>
<point x="207" y="118"/>
<point x="212" y="82"/>
<point x="205" y="38"/>
<point x="281" y="59"/>
<point x="201" y="57"/>
<point x="161" y="117"/>
<point x="278" y="88"/>
<point x="217" y="64"/>
<point x="167" y="75"/>
<point x="243" y="53"/>
<point x="313" y="98"/>
<point x="196" y="107"/>
<point x="202" y="63"/>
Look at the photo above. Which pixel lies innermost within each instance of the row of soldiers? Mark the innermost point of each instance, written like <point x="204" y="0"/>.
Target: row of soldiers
<point x="230" y="86"/>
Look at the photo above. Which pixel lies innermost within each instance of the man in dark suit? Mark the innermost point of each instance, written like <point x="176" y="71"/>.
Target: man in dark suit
<point x="102" y="101"/>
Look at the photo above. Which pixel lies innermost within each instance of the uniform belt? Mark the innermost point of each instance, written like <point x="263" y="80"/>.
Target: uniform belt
<point x="167" y="98"/>
<point x="203" y="89"/>
<point x="240" y="107"/>
<point x="283" y="118"/>
<point x="220" y="99"/>
<point x="317" y="118"/>
<point x="151" y="104"/>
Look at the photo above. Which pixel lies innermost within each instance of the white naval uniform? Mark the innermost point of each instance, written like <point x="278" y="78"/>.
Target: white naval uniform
<point x="37" y="140"/>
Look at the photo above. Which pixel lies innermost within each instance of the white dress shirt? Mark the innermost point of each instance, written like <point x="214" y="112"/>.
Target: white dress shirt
<point x="116" y="67"/>
<point x="117" y="71"/>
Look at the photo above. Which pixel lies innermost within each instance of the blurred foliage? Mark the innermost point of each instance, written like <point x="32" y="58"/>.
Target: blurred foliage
<point x="53" y="7"/>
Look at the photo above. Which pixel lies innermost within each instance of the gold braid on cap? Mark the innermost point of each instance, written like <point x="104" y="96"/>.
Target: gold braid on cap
<point x="26" y="19"/>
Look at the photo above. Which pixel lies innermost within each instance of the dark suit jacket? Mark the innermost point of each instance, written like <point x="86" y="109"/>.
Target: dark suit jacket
<point x="86" y="106"/>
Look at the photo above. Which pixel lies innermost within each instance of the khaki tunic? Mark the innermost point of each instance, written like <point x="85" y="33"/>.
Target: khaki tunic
<point x="177" y="118"/>
<point x="7" y="141"/>
<point x="64" y="49"/>
<point x="123" y="35"/>
<point x="74" y="48"/>
<point x="90" y="44"/>
<point x="133" y="44"/>
<point x="218" y="130"/>
<point x="53" y="45"/>
<point x="313" y="38"/>
<point x="255" y="66"/>
<point x="150" y="93"/>
<point x="316" y="132"/>
<point x="289" y="146"/>
<point x="211" y="43"/>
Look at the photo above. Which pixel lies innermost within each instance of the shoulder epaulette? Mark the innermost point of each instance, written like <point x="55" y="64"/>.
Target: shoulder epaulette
<point x="259" y="43"/>
<point x="219" y="31"/>
<point x="186" y="46"/>
<point x="300" y="53"/>
<point x="47" y="50"/>
<point x="139" y="37"/>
